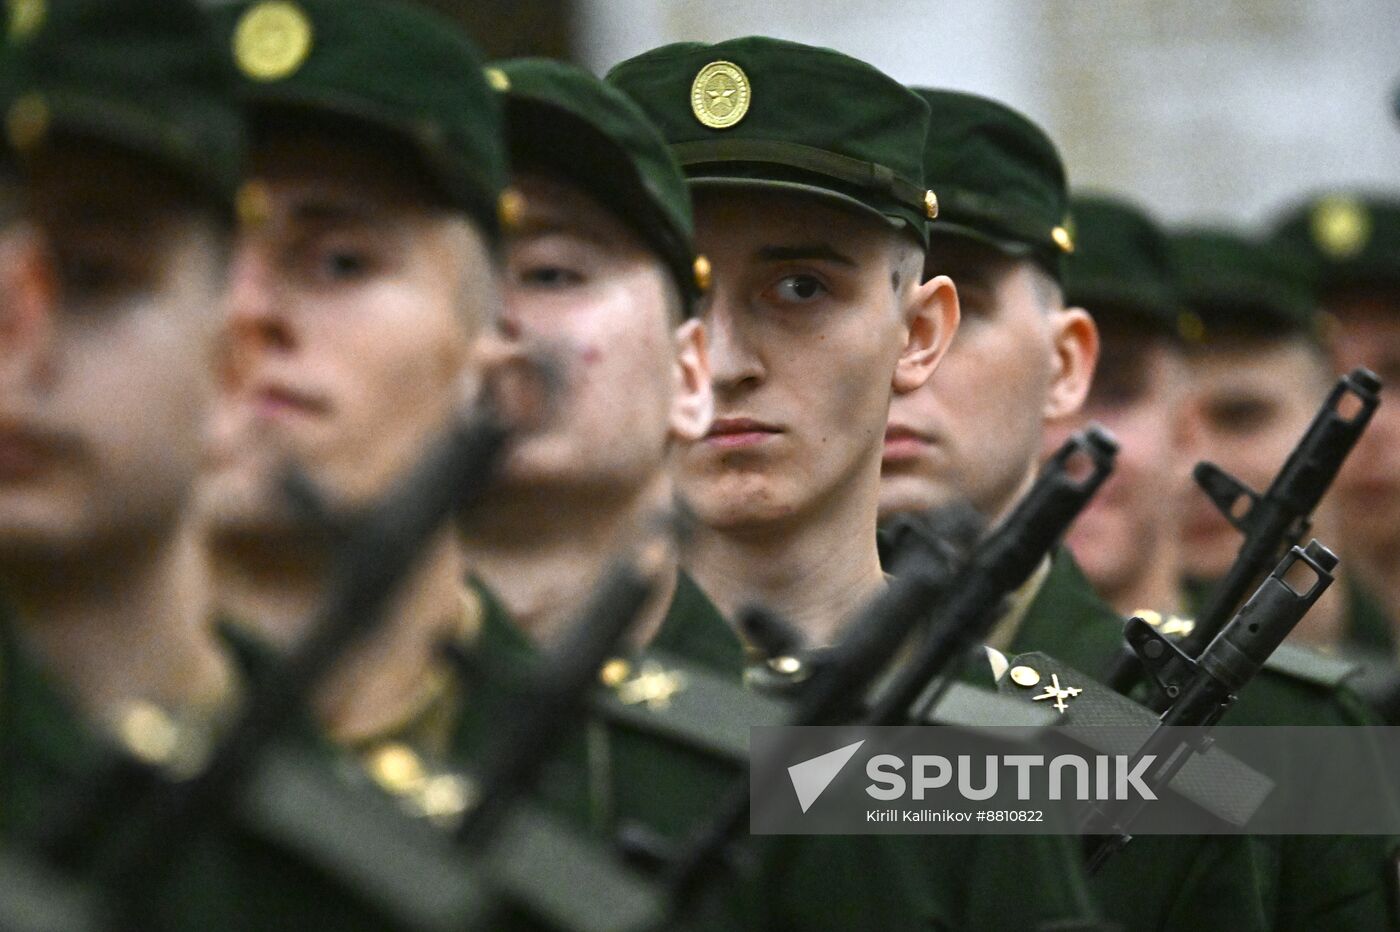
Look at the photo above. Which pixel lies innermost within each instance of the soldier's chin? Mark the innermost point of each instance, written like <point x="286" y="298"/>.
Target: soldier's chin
<point x="37" y="533"/>
<point x="735" y="507"/>
<point x="905" y="494"/>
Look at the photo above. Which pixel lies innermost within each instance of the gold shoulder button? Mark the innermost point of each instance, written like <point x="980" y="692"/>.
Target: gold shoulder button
<point x="1025" y="676"/>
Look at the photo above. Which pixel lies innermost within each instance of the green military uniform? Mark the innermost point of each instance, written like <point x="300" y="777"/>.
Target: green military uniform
<point x="662" y="770"/>
<point x="1300" y="882"/>
<point x="1236" y="285"/>
<point x="660" y="747"/>
<point x="148" y="77"/>
<point x="1349" y="241"/>
<point x="43" y="742"/>
<point x="1311" y="882"/>
<point x="766" y="114"/>
<point x="608" y="773"/>
<point x="564" y="121"/>
<point x="395" y="76"/>
<point x="1001" y="183"/>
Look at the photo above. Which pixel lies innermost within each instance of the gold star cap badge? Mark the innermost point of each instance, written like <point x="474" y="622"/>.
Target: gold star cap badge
<point x="272" y="40"/>
<point x="1341" y="226"/>
<point x="720" y="95"/>
<point x="26" y="16"/>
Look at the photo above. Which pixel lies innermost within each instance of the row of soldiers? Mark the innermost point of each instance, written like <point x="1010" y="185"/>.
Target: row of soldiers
<point x="675" y="343"/>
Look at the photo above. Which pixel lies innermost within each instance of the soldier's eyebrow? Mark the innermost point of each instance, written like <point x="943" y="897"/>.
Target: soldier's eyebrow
<point x="541" y="226"/>
<point x="327" y="212"/>
<point x="804" y="252"/>
<point x="94" y="212"/>
<point x="536" y="226"/>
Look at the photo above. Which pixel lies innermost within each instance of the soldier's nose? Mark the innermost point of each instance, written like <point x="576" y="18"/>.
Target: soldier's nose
<point x="256" y="303"/>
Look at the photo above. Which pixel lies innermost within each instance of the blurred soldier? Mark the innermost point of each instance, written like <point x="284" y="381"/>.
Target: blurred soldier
<point x="601" y="273"/>
<point x="1284" y="882"/>
<point x="805" y="169"/>
<point x="1128" y="539"/>
<point x="1259" y="370"/>
<point x="121" y="158"/>
<point x="1023" y="359"/>
<point x="364" y="271"/>
<point x="1351" y="246"/>
<point x="123" y="154"/>
<point x="602" y="278"/>
<point x="1025" y="366"/>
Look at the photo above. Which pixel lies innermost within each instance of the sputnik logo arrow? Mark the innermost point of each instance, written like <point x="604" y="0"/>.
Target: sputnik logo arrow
<point x="811" y="777"/>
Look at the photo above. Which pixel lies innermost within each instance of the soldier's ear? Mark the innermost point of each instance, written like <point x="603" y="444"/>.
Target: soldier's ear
<point x="931" y="313"/>
<point x="693" y="401"/>
<point x="1074" y="350"/>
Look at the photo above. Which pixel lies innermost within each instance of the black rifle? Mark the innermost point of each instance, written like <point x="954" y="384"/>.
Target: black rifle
<point x="925" y="570"/>
<point x="923" y="587"/>
<point x="1203" y="689"/>
<point x="377" y="552"/>
<point x="925" y="574"/>
<point x="1276" y="520"/>
<point x="556" y="695"/>
<point x="999" y="565"/>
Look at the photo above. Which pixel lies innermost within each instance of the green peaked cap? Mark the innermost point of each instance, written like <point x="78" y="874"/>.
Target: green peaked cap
<point x="144" y="75"/>
<point x="999" y="178"/>
<point x="1231" y="281"/>
<point x="770" y="113"/>
<point x="391" y="67"/>
<point x="1344" y="239"/>
<point x="567" y="121"/>
<point x="1121" y="266"/>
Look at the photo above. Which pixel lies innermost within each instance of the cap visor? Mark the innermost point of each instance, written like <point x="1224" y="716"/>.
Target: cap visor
<point x="834" y="198"/>
<point x="149" y="132"/>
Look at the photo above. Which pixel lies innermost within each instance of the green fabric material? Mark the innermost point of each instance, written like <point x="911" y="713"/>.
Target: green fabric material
<point x="1344" y="239"/>
<point x="998" y="176"/>
<point x="564" y="119"/>
<point x="145" y="75"/>
<point x="694" y="628"/>
<point x="606" y="775"/>
<point x="225" y="878"/>
<point x="1182" y="882"/>
<point x="1158" y="882"/>
<point x="1368" y="627"/>
<point x="1233" y="282"/>
<point x="818" y="122"/>
<point x="237" y="876"/>
<point x="45" y="748"/>
<point x="807" y="883"/>
<point x="1121" y="265"/>
<point x="394" y="67"/>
